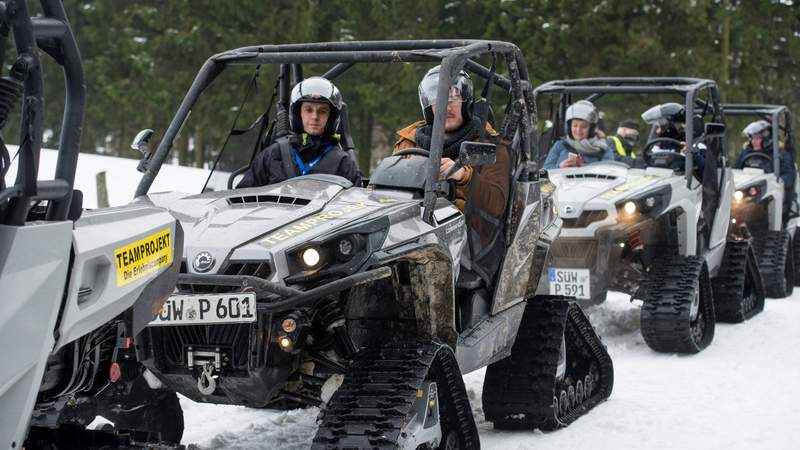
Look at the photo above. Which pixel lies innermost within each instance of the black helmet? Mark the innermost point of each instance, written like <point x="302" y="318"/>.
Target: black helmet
<point x="315" y="90"/>
<point x="668" y="116"/>
<point x="584" y="110"/>
<point x="462" y="85"/>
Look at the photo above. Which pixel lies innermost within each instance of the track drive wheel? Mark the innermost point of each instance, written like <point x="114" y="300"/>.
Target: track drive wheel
<point x="678" y="310"/>
<point x="738" y="287"/>
<point x="776" y="261"/>
<point x="558" y="370"/>
<point x="405" y="395"/>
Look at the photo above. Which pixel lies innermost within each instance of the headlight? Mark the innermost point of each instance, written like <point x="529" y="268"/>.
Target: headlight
<point x="650" y="204"/>
<point x="750" y="193"/>
<point x="337" y="255"/>
<point x="311" y="257"/>
<point x="630" y="208"/>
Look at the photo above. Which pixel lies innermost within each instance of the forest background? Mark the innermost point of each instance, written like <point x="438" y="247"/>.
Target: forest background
<point x="141" y="56"/>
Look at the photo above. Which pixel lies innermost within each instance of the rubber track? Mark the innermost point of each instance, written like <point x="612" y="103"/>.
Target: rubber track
<point x="796" y="256"/>
<point x="668" y="292"/>
<point x="738" y="276"/>
<point x="518" y="391"/>
<point x="773" y="255"/>
<point x="370" y="407"/>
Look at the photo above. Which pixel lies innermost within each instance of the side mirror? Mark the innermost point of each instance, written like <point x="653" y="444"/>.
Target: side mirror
<point x="714" y="129"/>
<point x="476" y="153"/>
<point x="142" y="140"/>
<point x="473" y="154"/>
<point x="141" y="143"/>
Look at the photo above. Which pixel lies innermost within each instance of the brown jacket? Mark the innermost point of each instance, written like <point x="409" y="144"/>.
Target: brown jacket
<point x="491" y="182"/>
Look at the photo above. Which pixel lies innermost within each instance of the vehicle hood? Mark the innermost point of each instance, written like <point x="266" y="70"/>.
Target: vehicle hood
<point x="597" y="185"/>
<point x="273" y="216"/>
<point x="747" y="177"/>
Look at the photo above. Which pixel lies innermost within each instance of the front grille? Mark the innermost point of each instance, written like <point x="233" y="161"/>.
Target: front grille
<point x="580" y="249"/>
<point x="597" y="176"/>
<point x="585" y="219"/>
<point x="232" y="339"/>
<point x="260" y="269"/>
<point x="172" y="343"/>
<point x="270" y="199"/>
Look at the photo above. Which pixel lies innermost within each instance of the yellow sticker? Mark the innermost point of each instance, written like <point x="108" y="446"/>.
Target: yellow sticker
<point x="630" y="185"/>
<point x="143" y="257"/>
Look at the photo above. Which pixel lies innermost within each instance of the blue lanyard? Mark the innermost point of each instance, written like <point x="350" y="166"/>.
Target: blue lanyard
<point x="304" y="169"/>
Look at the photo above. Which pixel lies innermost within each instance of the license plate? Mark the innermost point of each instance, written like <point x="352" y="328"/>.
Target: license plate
<point x="570" y="282"/>
<point x="201" y="309"/>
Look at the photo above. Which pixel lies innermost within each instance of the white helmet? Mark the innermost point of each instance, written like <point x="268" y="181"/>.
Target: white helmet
<point x="584" y="110"/>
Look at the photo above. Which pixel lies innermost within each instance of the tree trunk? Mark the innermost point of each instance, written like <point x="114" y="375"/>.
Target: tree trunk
<point x="365" y="151"/>
<point x="182" y="142"/>
<point x="725" y="44"/>
<point x="199" y="147"/>
<point x="102" y="190"/>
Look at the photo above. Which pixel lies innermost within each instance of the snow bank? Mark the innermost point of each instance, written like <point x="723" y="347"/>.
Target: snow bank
<point x="121" y="176"/>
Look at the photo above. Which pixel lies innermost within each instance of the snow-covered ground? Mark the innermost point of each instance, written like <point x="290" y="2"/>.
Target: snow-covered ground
<point x="743" y="392"/>
<point x="740" y="393"/>
<point x="121" y="176"/>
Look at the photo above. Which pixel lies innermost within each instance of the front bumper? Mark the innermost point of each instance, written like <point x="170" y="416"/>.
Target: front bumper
<point x="251" y="367"/>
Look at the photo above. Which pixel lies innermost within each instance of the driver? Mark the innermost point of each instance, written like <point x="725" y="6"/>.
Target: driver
<point x="582" y="144"/>
<point x="312" y="146"/>
<point x="759" y="139"/>
<point x="668" y="120"/>
<point x="491" y="182"/>
<point x="480" y="193"/>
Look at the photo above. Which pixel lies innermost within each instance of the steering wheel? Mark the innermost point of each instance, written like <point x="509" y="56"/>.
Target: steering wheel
<point x="413" y="151"/>
<point x="667" y="156"/>
<point x="758" y="160"/>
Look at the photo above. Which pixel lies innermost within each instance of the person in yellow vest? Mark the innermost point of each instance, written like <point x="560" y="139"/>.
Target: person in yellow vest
<point x="624" y="142"/>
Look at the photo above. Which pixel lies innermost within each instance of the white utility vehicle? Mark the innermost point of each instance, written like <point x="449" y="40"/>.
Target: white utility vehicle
<point x="765" y="205"/>
<point x="660" y="232"/>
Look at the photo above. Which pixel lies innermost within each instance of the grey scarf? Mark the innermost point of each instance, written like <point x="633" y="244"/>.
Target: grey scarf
<point x="589" y="147"/>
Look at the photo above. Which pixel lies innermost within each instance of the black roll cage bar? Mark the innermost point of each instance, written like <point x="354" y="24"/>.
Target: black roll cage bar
<point x="772" y="114"/>
<point x="453" y="55"/>
<point x="52" y="34"/>
<point x="596" y="88"/>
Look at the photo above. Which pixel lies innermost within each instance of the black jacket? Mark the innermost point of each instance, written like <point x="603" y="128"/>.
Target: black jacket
<point x="268" y="166"/>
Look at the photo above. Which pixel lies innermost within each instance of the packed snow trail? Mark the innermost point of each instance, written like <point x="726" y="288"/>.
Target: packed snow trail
<point x="741" y="392"/>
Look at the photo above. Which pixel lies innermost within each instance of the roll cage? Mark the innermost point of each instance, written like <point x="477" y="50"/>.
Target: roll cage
<point x="772" y="114"/>
<point x="453" y="55"/>
<point x="52" y="34"/>
<point x="593" y="89"/>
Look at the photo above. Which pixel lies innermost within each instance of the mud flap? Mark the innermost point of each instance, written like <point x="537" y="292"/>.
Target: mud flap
<point x="525" y="391"/>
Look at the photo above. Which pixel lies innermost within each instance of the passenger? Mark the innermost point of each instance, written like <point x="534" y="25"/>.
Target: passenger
<point x="668" y="120"/>
<point x="312" y="146"/>
<point x="759" y="138"/>
<point x="581" y="145"/>
<point x="624" y="142"/>
<point x="461" y="125"/>
<point x="480" y="193"/>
